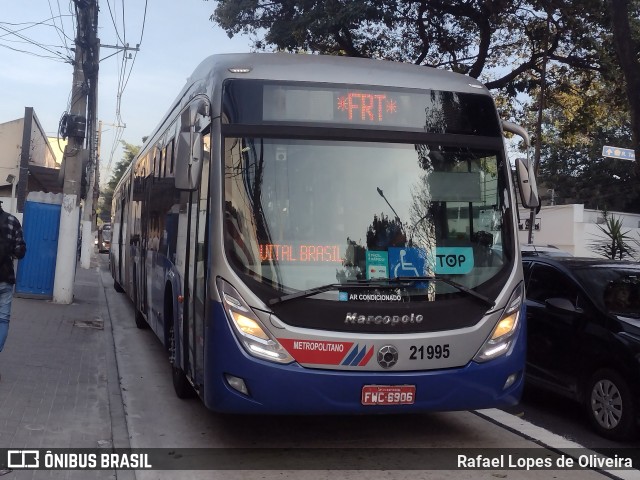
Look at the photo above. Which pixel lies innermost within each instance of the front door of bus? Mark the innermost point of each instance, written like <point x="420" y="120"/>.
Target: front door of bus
<point x="197" y="258"/>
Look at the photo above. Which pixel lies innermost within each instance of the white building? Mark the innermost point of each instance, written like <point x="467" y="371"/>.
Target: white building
<point x="573" y="228"/>
<point x="28" y="162"/>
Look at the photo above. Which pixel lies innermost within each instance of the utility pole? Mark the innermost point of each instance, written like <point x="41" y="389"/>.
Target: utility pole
<point x="89" y="223"/>
<point x="88" y="212"/>
<point x="76" y="154"/>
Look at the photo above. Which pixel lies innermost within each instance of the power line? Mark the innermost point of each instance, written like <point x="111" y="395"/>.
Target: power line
<point x="113" y="20"/>
<point x="61" y="33"/>
<point x="144" y="21"/>
<point x="122" y="81"/>
<point x="61" y="30"/>
<point x="35" y="24"/>
<point x="48" y="57"/>
<point x="16" y="41"/>
<point x="28" y="40"/>
<point x="124" y="26"/>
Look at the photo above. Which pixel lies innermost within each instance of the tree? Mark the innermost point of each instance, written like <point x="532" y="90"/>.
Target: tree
<point x="385" y="232"/>
<point x="464" y="36"/>
<point x="625" y="23"/>
<point x="106" y="195"/>
<point x="577" y="123"/>
<point x="503" y="43"/>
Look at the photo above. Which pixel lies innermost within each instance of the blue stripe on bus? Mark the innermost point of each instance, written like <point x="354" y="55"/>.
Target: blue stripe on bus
<point x="350" y="357"/>
<point x="360" y="356"/>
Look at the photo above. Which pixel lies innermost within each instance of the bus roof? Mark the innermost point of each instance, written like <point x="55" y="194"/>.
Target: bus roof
<point x="210" y="73"/>
<point x="334" y="69"/>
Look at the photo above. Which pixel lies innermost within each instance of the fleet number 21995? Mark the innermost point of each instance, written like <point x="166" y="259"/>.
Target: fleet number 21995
<point x="429" y="352"/>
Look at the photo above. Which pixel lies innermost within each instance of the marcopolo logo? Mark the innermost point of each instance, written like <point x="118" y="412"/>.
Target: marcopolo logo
<point x="356" y="319"/>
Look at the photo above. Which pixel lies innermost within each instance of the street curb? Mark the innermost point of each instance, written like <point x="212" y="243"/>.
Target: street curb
<point x="547" y="439"/>
<point x="119" y="428"/>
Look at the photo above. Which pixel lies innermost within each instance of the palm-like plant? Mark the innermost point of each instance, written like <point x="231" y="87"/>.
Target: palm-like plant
<point x="616" y="243"/>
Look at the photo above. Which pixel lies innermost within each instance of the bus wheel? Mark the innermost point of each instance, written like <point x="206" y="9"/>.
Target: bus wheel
<point x="117" y="287"/>
<point x="141" y="323"/>
<point x="181" y="384"/>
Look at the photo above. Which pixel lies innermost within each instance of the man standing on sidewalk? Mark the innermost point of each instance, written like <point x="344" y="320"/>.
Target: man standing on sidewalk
<point x="11" y="246"/>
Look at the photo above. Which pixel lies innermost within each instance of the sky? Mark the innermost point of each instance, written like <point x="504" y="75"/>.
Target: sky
<point x="177" y="36"/>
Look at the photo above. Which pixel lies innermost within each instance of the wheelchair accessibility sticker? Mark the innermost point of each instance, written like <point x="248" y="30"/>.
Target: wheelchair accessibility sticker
<point x="407" y="262"/>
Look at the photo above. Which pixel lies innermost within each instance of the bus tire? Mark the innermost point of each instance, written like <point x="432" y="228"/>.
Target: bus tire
<point x="117" y="287"/>
<point x="141" y="323"/>
<point x="181" y="384"/>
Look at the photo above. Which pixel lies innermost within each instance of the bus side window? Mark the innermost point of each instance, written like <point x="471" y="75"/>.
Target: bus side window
<point x="163" y="162"/>
<point x="154" y="168"/>
<point x="169" y="159"/>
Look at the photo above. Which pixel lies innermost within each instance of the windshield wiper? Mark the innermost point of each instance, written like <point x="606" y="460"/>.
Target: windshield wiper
<point x="330" y="286"/>
<point x="484" y="299"/>
<point x="382" y="283"/>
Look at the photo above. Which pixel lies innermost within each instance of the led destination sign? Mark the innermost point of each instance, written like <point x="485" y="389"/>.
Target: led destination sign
<point x="367" y="106"/>
<point x="258" y="102"/>
<point x="299" y="253"/>
<point x="332" y="105"/>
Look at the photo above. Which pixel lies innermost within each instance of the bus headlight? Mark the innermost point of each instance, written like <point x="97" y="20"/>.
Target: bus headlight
<point x="253" y="335"/>
<point x="505" y="330"/>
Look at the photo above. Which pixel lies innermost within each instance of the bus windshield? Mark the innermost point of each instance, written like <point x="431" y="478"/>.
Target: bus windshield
<point x="306" y="213"/>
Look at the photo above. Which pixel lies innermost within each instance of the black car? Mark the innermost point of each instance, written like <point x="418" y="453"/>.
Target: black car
<point x="583" y="333"/>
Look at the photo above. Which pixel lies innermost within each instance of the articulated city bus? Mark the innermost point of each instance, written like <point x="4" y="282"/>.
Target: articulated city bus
<point x="314" y="234"/>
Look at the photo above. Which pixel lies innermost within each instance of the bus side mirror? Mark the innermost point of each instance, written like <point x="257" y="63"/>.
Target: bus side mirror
<point x="190" y="145"/>
<point x="190" y="153"/>
<point x="527" y="184"/>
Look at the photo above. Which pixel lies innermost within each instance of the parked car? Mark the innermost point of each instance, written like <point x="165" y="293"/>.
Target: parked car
<point x="529" y="249"/>
<point x="583" y="334"/>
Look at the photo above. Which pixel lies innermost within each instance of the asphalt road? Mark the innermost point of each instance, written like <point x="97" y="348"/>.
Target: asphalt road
<point x="156" y="418"/>
<point x="563" y="417"/>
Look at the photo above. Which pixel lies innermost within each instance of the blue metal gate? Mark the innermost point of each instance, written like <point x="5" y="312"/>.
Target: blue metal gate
<point x="36" y="271"/>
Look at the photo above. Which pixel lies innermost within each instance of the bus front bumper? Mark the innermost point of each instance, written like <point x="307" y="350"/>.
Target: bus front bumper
<point x="293" y="389"/>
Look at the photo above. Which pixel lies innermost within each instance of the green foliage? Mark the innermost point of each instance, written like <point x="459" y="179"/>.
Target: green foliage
<point x="106" y="195"/>
<point x="130" y="152"/>
<point x="577" y="123"/>
<point x="592" y="94"/>
<point x="615" y="244"/>
<point x="351" y="28"/>
<point x="501" y="42"/>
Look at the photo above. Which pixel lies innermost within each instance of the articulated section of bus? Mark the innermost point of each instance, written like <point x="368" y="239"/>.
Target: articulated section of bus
<point x="364" y="270"/>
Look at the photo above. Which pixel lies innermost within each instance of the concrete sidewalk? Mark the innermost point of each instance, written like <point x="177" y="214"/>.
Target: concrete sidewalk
<point x="59" y="385"/>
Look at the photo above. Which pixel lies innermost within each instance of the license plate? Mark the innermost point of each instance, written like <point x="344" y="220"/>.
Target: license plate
<point x="388" y="394"/>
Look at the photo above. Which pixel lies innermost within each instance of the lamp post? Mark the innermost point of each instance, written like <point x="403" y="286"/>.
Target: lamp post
<point x="552" y="191"/>
<point x="12" y="180"/>
<point x="381" y="193"/>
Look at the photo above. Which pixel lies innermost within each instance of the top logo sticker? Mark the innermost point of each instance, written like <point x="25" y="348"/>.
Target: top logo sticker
<point x="454" y="260"/>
